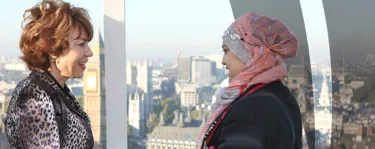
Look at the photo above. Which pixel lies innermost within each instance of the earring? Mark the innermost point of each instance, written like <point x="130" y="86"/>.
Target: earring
<point x="53" y="59"/>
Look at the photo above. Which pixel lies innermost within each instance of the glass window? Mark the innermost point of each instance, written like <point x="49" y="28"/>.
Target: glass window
<point x="173" y="67"/>
<point x="186" y="48"/>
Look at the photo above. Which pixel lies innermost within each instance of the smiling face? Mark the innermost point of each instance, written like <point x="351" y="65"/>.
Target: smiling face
<point x="72" y="62"/>
<point x="231" y="62"/>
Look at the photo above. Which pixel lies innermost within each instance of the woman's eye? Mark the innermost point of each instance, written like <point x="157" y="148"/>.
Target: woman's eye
<point x="225" y="52"/>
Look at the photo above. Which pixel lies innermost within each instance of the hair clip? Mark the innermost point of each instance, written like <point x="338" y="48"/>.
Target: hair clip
<point x="46" y="5"/>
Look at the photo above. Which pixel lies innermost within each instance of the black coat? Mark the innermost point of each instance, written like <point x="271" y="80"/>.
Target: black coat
<point x="268" y="118"/>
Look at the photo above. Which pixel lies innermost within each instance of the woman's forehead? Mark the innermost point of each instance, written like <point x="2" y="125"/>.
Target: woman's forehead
<point x="77" y="33"/>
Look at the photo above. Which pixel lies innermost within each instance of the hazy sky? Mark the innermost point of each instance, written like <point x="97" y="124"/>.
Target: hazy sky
<point x="154" y="28"/>
<point x="158" y="28"/>
<point x="11" y="18"/>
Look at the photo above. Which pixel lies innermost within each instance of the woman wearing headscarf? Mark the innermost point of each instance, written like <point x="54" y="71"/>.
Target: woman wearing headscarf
<point x="256" y="110"/>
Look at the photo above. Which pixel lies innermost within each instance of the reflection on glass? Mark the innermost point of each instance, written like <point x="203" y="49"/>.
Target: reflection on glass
<point x="170" y="97"/>
<point x="318" y="42"/>
<point x="173" y="70"/>
<point x="353" y="81"/>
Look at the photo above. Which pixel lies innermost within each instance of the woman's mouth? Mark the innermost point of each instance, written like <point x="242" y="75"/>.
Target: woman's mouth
<point x="82" y="65"/>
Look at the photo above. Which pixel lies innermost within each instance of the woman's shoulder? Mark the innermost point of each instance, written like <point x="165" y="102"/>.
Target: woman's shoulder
<point x="267" y="101"/>
<point x="27" y="93"/>
<point x="274" y="92"/>
<point x="260" y="101"/>
<point x="30" y="87"/>
<point x="265" y="96"/>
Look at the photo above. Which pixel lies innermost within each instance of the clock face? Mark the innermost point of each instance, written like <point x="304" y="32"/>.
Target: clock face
<point x="91" y="81"/>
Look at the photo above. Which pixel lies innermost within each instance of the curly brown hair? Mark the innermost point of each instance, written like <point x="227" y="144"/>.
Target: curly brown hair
<point x="46" y="27"/>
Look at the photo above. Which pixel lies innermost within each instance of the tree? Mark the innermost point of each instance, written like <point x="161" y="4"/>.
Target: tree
<point x="170" y="105"/>
<point x="154" y="119"/>
<point x="168" y="88"/>
<point x="194" y="114"/>
<point x="158" y="107"/>
<point x="153" y="122"/>
<point x="167" y="107"/>
<point x="157" y="93"/>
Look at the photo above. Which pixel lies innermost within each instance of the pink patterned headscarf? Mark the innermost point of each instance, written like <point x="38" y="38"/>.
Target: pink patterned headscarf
<point x="260" y="42"/>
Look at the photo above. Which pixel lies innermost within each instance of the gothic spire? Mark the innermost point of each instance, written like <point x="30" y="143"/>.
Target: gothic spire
<point x="161" y="122"/>
<point x="188" y="119"/>
<point x="181" y="123"/>
<point x="175" y="120"/>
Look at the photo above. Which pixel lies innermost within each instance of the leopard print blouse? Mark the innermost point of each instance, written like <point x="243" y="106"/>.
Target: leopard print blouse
<point x="32" y="122"/>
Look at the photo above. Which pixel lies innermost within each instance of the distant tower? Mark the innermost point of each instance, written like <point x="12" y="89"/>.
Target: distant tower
<point x="178" y="54"/>
<point x="161" y="122"/>
<point x="181" y="123"/>
<point x="131" y="73"/>
<point x="184" y="68"/>
<point x="94" y="90"/>
<point x="144" y="82"/>
<point x="175" y="120"/>
<point x="136" y="109"/>
<point x="144" y="76"/>
<point x="188" y="119"/>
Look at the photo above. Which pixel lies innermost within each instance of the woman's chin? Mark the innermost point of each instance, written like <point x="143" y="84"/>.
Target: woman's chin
<point x="78" y="76"/>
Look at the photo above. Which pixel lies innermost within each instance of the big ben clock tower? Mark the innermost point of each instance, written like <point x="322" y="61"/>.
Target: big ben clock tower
<point x="94" y="93"/>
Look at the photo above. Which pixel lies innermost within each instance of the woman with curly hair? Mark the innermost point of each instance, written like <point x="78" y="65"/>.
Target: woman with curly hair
<point x="42" y="112"/>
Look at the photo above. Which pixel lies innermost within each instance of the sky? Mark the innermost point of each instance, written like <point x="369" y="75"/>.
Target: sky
<point x="159" y="28"/>
<point x="11" y="18"/>
<point x="154" y="29"/>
